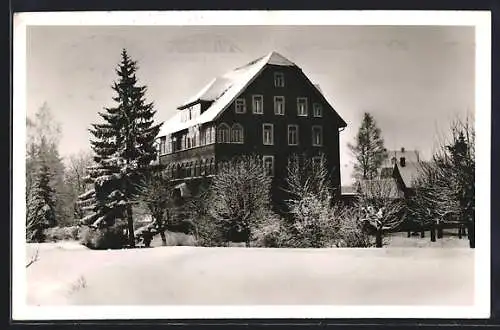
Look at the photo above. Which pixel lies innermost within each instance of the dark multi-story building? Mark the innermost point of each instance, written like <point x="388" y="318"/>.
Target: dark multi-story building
<point x="267" y="107"/>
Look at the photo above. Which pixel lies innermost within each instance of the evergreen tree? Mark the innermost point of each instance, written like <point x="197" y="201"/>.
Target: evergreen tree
<point x="41" y="205"/>
<point x="124" y="146"/>
<point x="43" y="135"/>
<point x="368" y="150"/>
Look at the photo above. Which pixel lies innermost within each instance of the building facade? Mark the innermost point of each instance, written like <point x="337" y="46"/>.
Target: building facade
<point x="268" y="108"/>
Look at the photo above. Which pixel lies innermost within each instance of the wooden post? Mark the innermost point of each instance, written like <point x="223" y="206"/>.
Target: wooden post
<point x="422" y="233"/>
<point x="439" y="229"/>
<point x="409" y="233"/>
<point x="460" y="228"/>
<point x="433" y="232"/>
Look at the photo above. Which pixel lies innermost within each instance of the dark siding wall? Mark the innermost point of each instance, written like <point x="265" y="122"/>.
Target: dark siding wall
<point x="296" y="85"/>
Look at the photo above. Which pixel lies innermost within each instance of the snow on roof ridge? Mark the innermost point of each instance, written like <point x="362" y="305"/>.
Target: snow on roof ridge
<point x="231" y="85"/>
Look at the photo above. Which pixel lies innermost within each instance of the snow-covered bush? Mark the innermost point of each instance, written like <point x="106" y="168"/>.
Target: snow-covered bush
<point x="112" y="237"/>
<point x="62" y="233"/>
<point x="352" y="231"/>
<point x="272" y="233"/>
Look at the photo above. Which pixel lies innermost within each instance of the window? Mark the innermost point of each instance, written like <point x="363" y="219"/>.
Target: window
<point x="317" y="110"/>
<point x="279" y="79"/>
<point x="237" y="134"/>
<point x="268" y="165"/>
<point x="317" y="136"/>
<point x="240" y="106"/>
<point x="302" y="106"/>
<point x="293" y="135"/>
<point x="223" y="133"/>
<point x="279" y="105"/>
<point x="258" y="104"/>
<point x="162" y="145"/>
<point x="209" y="135"/>
<point x="267" y="134"/>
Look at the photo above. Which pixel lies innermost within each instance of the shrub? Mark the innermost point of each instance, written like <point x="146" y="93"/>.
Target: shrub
<point x="55" y="234"/>
<point x="315" y="223"/>
<point x="179" y="239"/>
<point x="272" y="233"/>
<point x="352" y="231"/>
<point x="113" y="237"/>
<point x="208" y="232"/>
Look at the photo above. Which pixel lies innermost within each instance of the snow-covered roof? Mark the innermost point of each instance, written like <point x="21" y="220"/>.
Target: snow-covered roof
<point x="409" y="173"/>
<point x="222" y="91"/>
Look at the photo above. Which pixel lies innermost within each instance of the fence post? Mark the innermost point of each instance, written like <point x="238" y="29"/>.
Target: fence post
<point x="433" y="232"/>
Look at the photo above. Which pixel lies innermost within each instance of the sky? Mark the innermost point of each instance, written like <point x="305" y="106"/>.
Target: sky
<point x="413" y="80"/>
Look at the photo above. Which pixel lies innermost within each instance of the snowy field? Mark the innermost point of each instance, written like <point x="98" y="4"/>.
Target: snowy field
<point x="67" y="273"/>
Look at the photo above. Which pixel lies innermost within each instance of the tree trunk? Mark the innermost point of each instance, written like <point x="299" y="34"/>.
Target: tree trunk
<point x="422" y="233"/>
<point x="378" y="238"/>
<point x="440" y="230"/>
<point x="163" y="238"/>
<point x="471" y="233"/>
<point x="433" y="233"/>
<point x="130" y="225"/>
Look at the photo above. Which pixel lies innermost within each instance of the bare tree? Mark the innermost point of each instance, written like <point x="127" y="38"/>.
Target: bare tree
<point x="77" y="170"/>
<point x="445" y="188"/>
<point x="156" y="193"/>
<point x="239" y="196"/>
<point x="381" y="206"/>
<point x="309" y="189"/>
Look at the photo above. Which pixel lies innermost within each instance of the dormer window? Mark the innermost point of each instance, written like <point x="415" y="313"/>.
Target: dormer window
<point x="240" y="106"/>
<point x="279" y="79"/>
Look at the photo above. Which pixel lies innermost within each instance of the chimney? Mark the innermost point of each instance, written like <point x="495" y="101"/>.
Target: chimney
<point x="402" y="162"/>
<point x="402" y="149"/>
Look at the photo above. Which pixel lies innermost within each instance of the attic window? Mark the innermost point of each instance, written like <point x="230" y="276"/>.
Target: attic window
<point x="240" y="106"/>
<point x="279" y="79"/>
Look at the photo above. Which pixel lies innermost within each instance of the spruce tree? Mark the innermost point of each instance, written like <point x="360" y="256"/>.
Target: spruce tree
<point x="368" y="150"/>
<point x="124" y="147"/>
<point x="41" y="204"/>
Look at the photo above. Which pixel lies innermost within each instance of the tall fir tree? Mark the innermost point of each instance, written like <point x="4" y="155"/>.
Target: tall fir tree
<point x="124" y="147"/>
<point x="41" y="204"/>
<point x="368" y="149"/>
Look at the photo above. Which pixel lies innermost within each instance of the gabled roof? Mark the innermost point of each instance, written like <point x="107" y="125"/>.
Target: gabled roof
<point x="409" y="173"/>
<point x="385" y="188"/>
<point x="223" y="90"/>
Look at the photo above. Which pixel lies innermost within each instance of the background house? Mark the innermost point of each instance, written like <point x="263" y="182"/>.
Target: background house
<point x="267" y="107"/>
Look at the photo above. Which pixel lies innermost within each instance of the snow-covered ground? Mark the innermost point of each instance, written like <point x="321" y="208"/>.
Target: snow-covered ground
<point x="67" y="273"/>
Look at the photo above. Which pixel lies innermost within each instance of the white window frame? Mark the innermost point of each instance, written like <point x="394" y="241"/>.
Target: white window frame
<point x="243" y="106"/>
<point x="219" y="129"/>
<point x="299" y="99"/>
<point x="254" y="97"/>
<point x="242" y="133"/>
<point x="297" y="134"/>
<point x="314" y="144"/>
<point x="264" y="164"/>
<point x="316" y="107"/>
<point x="279" y="79"/>
<point x="264" y="134"/>
<point x="276" y="98"/>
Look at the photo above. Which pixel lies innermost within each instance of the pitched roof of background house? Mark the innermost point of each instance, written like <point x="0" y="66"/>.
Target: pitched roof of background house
<point x="223" y="90"/>
<point x="386" y="188"/>
<point x="409" y="173"/>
